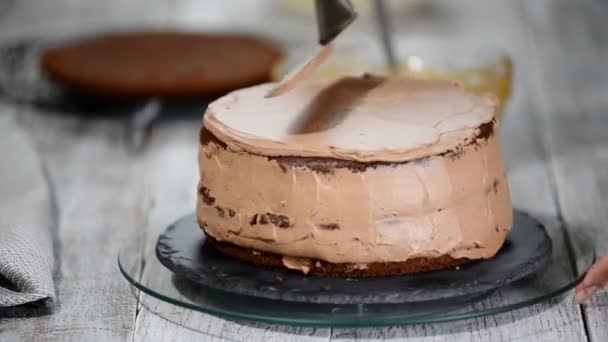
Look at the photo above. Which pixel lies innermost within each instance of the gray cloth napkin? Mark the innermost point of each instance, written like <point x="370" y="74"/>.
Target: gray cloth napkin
<point x="26" y="219"/>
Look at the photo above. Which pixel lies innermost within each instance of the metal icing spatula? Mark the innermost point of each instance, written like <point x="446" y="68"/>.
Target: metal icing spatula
<point x="333" y="16"/>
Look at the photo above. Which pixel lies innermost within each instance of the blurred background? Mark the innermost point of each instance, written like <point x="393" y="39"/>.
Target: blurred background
<point x="472" y="41"/>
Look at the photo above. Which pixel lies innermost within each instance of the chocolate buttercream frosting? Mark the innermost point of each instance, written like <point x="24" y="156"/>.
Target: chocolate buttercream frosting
<point x="355" y="171"/>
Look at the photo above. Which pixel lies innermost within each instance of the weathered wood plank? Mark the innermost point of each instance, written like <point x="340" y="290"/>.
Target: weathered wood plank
<point x="570" y="42"/>
<point x="100" y="206"/>
<point x="101" y="199"/>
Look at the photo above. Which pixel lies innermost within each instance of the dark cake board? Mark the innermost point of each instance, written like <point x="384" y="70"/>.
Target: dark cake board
<point x="182" y="249"/>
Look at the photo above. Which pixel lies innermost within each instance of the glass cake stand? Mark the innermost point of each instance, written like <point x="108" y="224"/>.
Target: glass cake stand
<point x="142" y="269"/>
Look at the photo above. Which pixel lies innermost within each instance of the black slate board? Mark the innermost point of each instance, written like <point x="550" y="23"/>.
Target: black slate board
<point x="182" y="249"/>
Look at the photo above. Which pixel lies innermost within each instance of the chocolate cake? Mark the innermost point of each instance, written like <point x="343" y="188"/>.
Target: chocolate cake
<point x="161" y="64"/>
<point x="354" y="177"/>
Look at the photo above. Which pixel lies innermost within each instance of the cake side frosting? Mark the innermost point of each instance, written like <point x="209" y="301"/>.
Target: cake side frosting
<point x="456" y="205"/>
<point x="361" y="119"/>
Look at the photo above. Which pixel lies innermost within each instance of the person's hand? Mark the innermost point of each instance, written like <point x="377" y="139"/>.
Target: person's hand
<point x="595" y="280"/>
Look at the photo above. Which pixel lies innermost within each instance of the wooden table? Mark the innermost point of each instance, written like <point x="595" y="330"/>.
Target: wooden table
<point x="554" y="138"/>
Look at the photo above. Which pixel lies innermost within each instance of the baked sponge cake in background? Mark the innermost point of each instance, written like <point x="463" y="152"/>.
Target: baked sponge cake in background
<point x="356" y="176"/>
<point x="161" y="64"/>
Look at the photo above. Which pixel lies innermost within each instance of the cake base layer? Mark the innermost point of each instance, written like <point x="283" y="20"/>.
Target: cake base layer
<point x="323" y="268"/>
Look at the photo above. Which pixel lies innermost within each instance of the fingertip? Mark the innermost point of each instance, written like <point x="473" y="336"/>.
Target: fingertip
<point x="579" y="287"/>
<point x="584" y="295"/>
